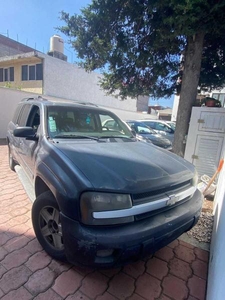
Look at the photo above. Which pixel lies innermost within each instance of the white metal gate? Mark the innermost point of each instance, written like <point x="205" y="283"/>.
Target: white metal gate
<point x="206" y="139"/>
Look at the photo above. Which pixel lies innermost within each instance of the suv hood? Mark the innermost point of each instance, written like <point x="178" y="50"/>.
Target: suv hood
<point x="126" y="166"/>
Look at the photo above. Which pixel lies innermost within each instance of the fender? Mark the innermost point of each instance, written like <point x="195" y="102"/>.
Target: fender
<point x="65" y="188"/>
<point x="50" y="179"/>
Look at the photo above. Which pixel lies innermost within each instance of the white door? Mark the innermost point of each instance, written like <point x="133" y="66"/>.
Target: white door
<point x="206" y="138"/>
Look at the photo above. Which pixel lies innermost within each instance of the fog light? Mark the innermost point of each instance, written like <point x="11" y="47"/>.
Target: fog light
<point x="104" y="253"/>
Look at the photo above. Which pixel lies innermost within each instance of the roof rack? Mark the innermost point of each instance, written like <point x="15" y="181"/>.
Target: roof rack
<point x="39" y="98"/>
<point x="87" y="103"/>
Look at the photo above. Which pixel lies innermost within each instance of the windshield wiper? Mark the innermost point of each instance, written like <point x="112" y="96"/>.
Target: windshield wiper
<point x="75" y="136"/>
<point x="116" y="137"/>
<point x="99" y="139"/>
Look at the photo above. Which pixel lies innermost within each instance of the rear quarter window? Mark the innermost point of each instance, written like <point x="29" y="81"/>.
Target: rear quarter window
<point x="16" y="114"/>
<point x="23" y="115"/>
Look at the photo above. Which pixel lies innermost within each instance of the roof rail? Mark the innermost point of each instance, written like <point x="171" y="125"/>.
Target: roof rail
<point x="87" y="103"/>
<point x="26" y="99"/>
<point x="39" y="98"/>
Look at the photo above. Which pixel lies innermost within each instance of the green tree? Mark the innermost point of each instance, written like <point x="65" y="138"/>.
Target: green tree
<point x="137" y="44"/>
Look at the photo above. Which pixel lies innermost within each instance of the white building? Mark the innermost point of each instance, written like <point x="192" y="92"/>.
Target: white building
<point x="24" y="68"/>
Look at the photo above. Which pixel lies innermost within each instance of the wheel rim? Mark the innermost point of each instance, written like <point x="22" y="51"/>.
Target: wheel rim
<point x="50" y="226"/>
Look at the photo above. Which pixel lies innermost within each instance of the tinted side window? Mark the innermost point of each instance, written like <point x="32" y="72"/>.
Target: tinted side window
<point x="34" y="117"/>
<point x="160" y="127"/>
<point x="150" y="124"/>
<point x="168" y="129"/>
<point x="22" y="119"/>
<point x="16" y="114"/>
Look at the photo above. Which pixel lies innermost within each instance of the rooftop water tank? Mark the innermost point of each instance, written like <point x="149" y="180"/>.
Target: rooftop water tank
<point x="56" y="44"/>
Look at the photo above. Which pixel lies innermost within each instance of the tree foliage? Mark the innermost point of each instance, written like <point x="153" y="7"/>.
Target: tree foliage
<point x="212" y="74"/>
<point x="137" y="44"/>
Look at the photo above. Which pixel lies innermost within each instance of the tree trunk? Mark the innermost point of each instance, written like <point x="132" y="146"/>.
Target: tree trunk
<point x="190" y="79"/>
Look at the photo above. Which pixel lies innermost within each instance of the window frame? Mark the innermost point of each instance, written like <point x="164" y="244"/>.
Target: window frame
<point x="23" y="115"/>
<point x="7" y="74"/>
<point x="32" y="72"/>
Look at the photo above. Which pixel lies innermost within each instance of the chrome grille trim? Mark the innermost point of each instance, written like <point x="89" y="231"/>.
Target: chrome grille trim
<point x="141" y="198"/>
<point x="168" y="200"/>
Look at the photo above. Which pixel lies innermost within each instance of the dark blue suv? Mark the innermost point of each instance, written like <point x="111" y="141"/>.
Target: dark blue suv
<point x="103" y="198"/>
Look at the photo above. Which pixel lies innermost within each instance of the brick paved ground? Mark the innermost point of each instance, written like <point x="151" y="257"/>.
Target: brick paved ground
<point x="178" y="271"/>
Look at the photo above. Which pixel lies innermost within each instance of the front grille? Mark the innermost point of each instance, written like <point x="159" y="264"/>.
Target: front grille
<point x="179" y="191"/>
<point x="157" y="194"/>
<point x="158" y="211"/>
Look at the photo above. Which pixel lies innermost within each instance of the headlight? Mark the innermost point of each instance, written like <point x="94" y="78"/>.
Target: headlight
<point x="91" y="202"/>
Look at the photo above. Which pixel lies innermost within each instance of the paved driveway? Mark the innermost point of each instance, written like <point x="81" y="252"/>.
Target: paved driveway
<point x="178" y="271"/>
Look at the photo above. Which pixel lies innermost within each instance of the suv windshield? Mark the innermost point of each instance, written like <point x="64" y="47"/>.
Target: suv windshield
<point x="71" y="121"/>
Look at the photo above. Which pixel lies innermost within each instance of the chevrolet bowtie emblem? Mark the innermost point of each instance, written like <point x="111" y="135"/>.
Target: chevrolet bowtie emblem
<point x="173" y="199"/>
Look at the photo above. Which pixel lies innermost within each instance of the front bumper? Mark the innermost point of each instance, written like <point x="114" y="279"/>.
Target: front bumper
<point x="131" y="241"/>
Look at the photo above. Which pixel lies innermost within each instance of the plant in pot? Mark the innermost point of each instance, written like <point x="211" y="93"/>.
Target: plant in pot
<point x="210" y="102"/>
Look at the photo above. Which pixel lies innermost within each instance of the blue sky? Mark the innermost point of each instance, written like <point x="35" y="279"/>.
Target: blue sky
<point x="33" y="22"/>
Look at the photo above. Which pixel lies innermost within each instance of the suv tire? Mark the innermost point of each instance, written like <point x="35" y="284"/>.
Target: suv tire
<point x="47" y="225"/>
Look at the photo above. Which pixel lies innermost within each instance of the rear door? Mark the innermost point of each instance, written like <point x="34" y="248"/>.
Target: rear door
<point x="14" y="142"/>
<point x="19" y="120"/>
<point x="28" y="148"/>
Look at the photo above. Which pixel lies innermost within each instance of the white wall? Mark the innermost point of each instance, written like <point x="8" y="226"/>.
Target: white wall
<point x="9" y="99"/>
<point x="216" y="275"/>
<point x="62" y="79"/>
<point x="8" y="102"/>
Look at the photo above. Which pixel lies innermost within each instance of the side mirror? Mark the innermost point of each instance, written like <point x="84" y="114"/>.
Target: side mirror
<point x="25" y="132"/>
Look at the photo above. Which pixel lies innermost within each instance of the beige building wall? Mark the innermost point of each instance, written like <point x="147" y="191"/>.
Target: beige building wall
<point x="32" y="86"/>
<point x="65" y="80"/>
